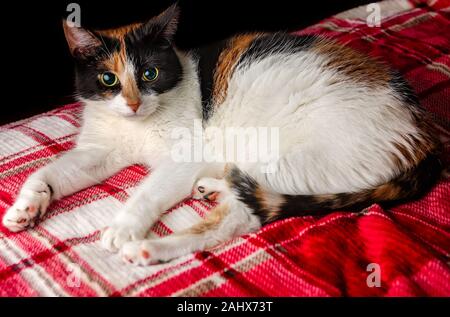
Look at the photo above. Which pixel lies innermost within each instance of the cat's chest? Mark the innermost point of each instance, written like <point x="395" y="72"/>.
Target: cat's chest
<point x="139" y="141"/>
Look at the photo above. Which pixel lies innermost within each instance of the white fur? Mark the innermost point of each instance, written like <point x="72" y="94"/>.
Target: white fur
<point x="334" y="134"/>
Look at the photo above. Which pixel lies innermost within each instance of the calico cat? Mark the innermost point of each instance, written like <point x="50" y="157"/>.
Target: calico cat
<point x="351" y="133"/>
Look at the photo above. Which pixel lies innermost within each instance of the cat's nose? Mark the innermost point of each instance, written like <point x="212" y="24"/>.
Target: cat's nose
<point x="134" y="105"/>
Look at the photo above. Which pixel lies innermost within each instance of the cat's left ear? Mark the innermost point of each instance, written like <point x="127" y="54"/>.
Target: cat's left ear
<point x="161" y="27"/>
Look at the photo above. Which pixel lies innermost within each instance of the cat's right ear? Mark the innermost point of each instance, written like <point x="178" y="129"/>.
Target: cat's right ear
<point x="162" y="27"/>
<point x="82" y="43"/>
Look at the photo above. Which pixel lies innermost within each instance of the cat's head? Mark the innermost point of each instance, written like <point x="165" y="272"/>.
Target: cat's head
<point x="127" y="69"/>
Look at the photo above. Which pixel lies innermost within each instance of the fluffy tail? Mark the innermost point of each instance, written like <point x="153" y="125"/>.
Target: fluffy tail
<point x="270" y="206"/>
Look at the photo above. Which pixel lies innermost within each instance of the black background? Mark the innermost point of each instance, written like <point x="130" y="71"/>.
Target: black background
<point x="37" y="70"/>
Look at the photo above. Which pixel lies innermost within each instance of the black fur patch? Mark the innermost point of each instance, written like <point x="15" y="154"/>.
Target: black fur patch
<point x="419" y="181"/>
<point x="302" y="205"/>
<point x="148" y="54"/>
<point x="207" y="61"/>
<point x="267" y="45"/>
<point x="403" y="89"/>
<point x="244" y="188"/>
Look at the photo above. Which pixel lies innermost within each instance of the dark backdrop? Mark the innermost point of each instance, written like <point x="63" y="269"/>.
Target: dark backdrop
<point x="37" y="69"/>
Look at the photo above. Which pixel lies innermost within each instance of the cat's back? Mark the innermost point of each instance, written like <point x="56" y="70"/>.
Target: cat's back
<point x="220" y="62"/>
<point x="285" y="76"/>
<point x="328" y="101"/>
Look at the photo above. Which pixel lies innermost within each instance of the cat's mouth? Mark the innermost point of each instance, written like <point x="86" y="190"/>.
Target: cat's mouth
<point x="135" y="116"/>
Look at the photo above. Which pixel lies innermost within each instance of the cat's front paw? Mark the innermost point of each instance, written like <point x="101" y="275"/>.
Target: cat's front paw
<point x="139" y="253"/>
<point x="115" y="236"/>
<point x="30" y="205"/>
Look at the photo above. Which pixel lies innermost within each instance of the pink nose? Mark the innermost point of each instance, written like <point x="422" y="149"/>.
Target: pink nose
<point x="134" y="105"/>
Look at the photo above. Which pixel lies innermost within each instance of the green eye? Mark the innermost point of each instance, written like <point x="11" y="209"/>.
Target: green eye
<point x="150" y="74"/>
<point x="108" y="79"/>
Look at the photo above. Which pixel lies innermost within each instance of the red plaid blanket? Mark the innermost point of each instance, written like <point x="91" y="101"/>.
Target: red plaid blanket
<point x="403" y="251"/>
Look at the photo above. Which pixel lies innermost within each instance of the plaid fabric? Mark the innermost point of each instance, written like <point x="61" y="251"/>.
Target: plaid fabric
<point x="303" y="256"/>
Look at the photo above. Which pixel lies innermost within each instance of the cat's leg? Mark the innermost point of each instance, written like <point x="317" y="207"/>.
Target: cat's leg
<point x="71" y="172"/>
<point x="229" y="219"/>
<point x="167" y="185"/>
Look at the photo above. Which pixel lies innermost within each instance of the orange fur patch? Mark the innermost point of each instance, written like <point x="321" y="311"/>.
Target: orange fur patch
<point x="270" y="202"/>
<point x="212" y="221"/>
<point x="227" y="62"/>
<point x="117" y="64"/>
<point x="386" y="192"/>
<point x="355" y="65"/>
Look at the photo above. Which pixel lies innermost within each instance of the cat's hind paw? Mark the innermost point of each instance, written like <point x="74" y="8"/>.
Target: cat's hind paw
<point x="30" y="205"/>
<point x="211" y="189"/>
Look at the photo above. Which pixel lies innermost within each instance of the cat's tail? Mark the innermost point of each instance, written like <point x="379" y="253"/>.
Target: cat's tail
<point x="270" y="206"/>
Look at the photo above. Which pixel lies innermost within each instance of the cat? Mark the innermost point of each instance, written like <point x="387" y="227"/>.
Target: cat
<point x="350" y="131"/>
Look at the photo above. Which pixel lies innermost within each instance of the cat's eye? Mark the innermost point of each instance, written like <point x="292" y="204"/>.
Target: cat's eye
<point x="150" y="74"/>
<point x="108" y="79"/>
